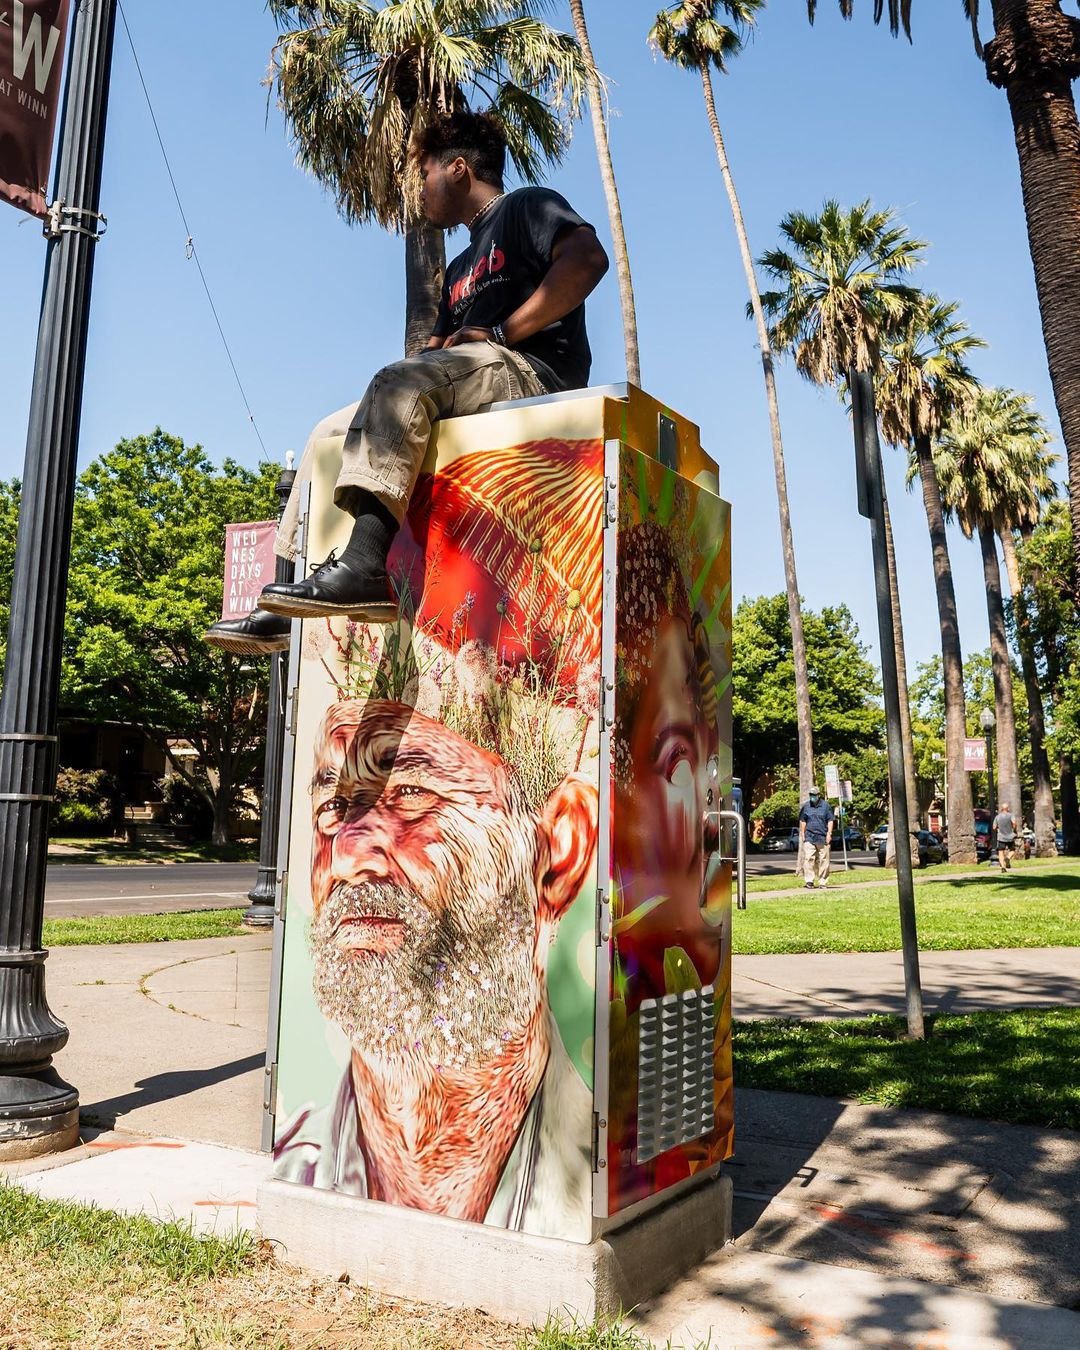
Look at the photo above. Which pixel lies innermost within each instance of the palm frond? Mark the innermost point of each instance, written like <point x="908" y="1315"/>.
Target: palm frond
<point x="358" y="83"/>
<point x="899" y="16"/>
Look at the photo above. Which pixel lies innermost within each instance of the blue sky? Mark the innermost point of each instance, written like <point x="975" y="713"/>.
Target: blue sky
<point x="312" y="307"/>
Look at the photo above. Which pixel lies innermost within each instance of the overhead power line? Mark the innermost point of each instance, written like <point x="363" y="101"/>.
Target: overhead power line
<point x="192" y="252"/>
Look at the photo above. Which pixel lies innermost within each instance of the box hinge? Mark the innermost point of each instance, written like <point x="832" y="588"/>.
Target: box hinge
<point x="596" y="1141"/>
<point x="611" y="502"/>
<point x="282" y="891"/>
<point x="607" y="705"/>
<point x="270" y="1089"/>
<point x="603" y="919"/>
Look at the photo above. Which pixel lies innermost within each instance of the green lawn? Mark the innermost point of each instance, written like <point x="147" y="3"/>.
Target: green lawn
<point x="203" y="923"/>
<point x="1039" y="907"/>
<point x="1021" y="1067"/>
<point x="74" y="1276"/>
<point x="121" y="854"/>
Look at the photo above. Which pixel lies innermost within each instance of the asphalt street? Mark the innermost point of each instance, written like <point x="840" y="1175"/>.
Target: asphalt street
<point x="86" y="889"/>
<point x="783" y="864"/>
<point x="82" y="890"/>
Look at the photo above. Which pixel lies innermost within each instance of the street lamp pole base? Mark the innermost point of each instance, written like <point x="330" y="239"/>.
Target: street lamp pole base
<point x="39" y="1114"/>
<point x="263" y="897"/>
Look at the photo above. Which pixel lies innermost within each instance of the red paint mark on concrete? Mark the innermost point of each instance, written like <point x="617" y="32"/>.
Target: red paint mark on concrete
<point x="831" y="1214"/>
<point x="114" y="1146"/>
<point x="225" y="1204"/>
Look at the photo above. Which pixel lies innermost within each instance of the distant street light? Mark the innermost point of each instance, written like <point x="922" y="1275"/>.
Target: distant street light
<point x="986" y="721"/>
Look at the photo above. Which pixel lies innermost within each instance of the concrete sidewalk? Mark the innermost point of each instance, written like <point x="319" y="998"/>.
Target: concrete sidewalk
<point x="854" y="1225"/>
<point x="855" y="984"/>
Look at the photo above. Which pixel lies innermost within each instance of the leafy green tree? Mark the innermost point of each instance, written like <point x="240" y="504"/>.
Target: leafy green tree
<point x="1048" y="585"/>
<point x="145" y="583"/>
<point x="10" y="494"/>
<point x="928" y="720"/>
<point x="923" y="379"/>
<point x="843" y="289"/>
<point x="1035" y="57"/>
<point x="847" y="716"/>
<point x="595" y="87"/>
<point x="994" y="469"/>
<point x="358" y="83"/>
<point x="692" y="35"/>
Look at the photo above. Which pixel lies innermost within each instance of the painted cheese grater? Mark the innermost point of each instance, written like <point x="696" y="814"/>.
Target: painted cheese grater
<point x="502" y="980"/>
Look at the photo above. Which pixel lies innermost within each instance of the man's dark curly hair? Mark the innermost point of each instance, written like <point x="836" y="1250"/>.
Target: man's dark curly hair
<point x="477" y="138"/>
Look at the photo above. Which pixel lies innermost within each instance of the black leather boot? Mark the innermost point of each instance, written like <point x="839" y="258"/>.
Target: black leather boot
<point x="334" y="587"/>
<point x="259" y="634"/>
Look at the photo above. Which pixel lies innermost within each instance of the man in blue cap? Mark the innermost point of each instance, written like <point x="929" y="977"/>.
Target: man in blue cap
<point x="815" y="839"/>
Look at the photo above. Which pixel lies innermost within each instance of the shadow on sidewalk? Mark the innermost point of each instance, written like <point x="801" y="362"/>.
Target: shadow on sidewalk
<point x="985" y="1207"/>
<point x="164" y="1087"/>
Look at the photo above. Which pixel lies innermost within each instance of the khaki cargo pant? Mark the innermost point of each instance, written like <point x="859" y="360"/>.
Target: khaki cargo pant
<point x="387" y="432"/>
<point x="815" y="862"/>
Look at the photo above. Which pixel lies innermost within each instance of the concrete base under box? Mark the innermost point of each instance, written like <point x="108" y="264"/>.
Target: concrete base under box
<point x="519" y="1278"/>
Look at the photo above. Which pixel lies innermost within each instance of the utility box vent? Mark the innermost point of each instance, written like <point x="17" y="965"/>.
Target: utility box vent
<point x="675" y="1071"/>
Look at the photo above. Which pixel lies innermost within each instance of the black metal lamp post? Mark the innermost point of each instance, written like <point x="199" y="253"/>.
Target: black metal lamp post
<point x="260" y="913"/>
<point x="39" y="1112"/>
<point x="986" y="721"/>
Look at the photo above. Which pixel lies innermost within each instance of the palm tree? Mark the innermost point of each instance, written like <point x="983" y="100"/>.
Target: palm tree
<point x="994" y="470"/>
<point x="611" y="193"/>
<point x="358" y="84"/>
<point x="1035" y="57"/>
<point x="843" y="291"/>
<point x="923" y="379"/>
<point x="691" y="35"/>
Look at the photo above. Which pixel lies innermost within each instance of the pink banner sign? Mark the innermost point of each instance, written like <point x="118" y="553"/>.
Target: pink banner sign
<point x="31" y="65"/>
<point x="975" y="754"/>
<point x="249" y="566"/>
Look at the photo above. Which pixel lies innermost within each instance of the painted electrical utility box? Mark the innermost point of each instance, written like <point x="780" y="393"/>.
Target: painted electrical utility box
<point x="502" y="981"/>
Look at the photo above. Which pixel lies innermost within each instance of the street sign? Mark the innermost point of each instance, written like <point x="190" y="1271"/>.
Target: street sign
<point x="832" y="781"/>
<point x="974" y="754"/>
<point x="845" y="790"/>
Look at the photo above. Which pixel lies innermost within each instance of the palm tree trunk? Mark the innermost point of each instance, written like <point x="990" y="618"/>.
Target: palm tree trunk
<point x="961" y="810"/>
<point x="798" y="638"/>
<point x="907" y="740"/>
<point x="1008" y="764"/>
<point x="1070" y="805"/>
<point x="1034" y="57"/>
<point x="425" y="264"/>
<point x="611" y="193"/>
<point x="1045" y="823"/>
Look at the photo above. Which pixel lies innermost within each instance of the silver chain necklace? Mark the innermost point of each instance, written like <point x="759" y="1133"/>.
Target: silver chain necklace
<point x="486" y="207"/>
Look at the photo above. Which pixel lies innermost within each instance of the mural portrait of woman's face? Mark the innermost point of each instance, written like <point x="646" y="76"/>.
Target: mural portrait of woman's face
<point x="665" y="761"/>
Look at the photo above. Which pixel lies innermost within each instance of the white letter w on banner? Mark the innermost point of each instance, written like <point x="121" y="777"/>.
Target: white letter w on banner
<point x="24" y="45"/>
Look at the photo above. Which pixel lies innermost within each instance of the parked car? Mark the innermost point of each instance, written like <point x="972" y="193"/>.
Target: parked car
<point x="853" y="838"/>
<point x="781" y="841"/>
<point x="1059" y="840"/>
<point x="931" y="850"/>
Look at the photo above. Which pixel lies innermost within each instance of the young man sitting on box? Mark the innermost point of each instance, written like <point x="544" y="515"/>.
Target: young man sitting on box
<point x="511" y="324"/>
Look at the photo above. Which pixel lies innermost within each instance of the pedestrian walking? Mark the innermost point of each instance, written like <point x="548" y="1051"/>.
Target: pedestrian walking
<point x="815" y="839"/>
<point x="1005" y="828"/>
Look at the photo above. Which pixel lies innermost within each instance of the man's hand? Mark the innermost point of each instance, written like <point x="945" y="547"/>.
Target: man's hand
<point x="469" y="335"/>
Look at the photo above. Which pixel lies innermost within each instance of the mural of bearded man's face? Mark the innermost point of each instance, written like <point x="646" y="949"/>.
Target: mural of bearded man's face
<point x="431" y="882"/>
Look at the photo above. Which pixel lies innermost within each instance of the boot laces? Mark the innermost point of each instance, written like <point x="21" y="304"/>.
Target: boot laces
<point x="327" y="565"/>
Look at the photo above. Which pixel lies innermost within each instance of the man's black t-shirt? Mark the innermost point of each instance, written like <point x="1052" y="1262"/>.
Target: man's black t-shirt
<point x="509" y="254"/>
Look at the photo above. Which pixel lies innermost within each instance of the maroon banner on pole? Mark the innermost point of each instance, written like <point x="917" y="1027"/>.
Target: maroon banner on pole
<point x="974" y="754"/>
<point x="249" y="566"/>
<point x="32" y="34"/>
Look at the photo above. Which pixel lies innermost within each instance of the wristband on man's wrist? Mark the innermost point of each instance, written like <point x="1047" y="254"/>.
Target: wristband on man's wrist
<point x="499" y="335"/>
